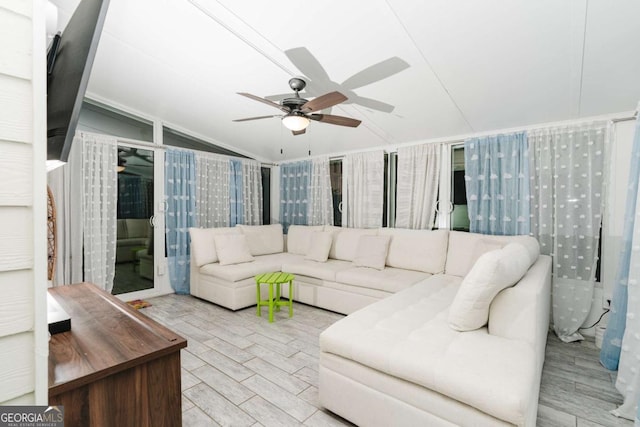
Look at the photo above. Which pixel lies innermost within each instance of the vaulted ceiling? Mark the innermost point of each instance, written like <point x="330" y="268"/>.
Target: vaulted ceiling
<point x="446" y="68"/>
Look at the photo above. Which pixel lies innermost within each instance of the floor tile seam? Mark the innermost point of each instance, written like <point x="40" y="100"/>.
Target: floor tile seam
<point x="308" y="387"/>
<point x="582" y="370"/>
<point x="221" y="372"/>
<point x="267" y="338"/>
<point x="237" y="348"/>
<point x="307" y="419"/>
<point x="229" y="401"/>
<point x="215" y="337"/>
<point x="283" y="391"/>
<point x="573" y="376"/>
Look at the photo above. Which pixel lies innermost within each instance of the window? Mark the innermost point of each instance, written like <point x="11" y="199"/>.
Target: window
<point x="266" y="195"/>
<point x="178" y="139"/>
<point x="459" y="213"/>
<point x="390" y="197"/>
<point x="335" y="171"/>
<point x="391" y="189"/>
<point x="98" y="118"/>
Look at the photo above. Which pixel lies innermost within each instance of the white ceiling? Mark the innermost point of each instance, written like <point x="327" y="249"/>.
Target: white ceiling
<point x="473" y="66"/>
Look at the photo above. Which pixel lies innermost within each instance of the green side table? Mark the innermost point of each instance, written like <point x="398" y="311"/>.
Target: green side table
<point x="274" y="279"/>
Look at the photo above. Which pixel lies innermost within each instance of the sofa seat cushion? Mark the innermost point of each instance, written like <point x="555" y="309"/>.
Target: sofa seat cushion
<point x="407" y="336"/>
<point x="319" y="270"/>
<point x="245" y="270"/>
<point x="388" y="280"/>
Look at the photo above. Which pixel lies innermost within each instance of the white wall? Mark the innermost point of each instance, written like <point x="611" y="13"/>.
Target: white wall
<point x="23" y="339"/>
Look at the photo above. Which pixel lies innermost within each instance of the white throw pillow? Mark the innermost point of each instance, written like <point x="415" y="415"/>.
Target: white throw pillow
<point x="233" y="249"/>
<point x="319" y="246"/>
<point x="372" y="251"/>
<point x="203" y="247"/>
<point x="492" y="272"/>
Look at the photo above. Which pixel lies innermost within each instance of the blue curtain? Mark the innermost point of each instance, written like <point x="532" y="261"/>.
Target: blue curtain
<point x="236" y="204"/>
<point x="180" y="187"/>
<point x="497" y="184"/>
<point x="294" y="193"/>
<point x="612" y="341"/>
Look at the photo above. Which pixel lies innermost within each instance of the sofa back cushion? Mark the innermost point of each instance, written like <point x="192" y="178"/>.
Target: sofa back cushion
<point x="491" y="273"/>
<point x="299" y="238"/>
<point x="320" y="246"/>
<point x="137" y="228"/>
<point x="465" y="249"/>
<point x="419" y="250"/>
<point x="372" y="252"/>
<point x="345" y="241"/>
<point x="203" y="248"/>
<point x="263" y="239"/>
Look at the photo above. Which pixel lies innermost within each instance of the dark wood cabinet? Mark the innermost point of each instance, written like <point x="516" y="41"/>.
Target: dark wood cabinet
<point x="116" y="367"/>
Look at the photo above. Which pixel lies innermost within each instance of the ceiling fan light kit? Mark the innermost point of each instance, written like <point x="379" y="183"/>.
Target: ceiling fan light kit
<point x="295" y="121"/>
<point x="299" y="111"/>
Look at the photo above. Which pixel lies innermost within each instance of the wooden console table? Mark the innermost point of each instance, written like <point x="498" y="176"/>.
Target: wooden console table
<point x="115" y="367"/>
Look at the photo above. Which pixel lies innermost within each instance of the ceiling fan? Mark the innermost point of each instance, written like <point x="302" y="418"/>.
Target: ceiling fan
<point x="310" y="66"/>
<point x="299" y="111"/>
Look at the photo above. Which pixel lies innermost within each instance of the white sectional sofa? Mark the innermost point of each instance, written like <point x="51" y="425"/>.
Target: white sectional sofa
<point x="405" y="354"/>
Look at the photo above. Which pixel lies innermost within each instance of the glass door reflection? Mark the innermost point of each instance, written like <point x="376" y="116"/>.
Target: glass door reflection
<point x="134" y="244"/>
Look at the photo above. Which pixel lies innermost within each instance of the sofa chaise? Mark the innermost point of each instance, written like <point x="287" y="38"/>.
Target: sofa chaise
<point x="414" y="348"/>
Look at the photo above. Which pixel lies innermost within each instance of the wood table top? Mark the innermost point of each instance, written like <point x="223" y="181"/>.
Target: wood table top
<point x="107" y="336"/>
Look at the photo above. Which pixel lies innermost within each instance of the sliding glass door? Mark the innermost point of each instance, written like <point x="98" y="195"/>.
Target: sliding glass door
<point x="136" y="220"/>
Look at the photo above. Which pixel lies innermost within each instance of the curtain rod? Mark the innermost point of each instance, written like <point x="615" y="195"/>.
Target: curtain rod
<point x="625" y="119"/>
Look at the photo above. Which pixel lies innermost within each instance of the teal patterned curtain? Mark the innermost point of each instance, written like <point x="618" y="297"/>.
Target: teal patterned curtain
<point x="497" y="181"/>
<point x="180" y="187"/>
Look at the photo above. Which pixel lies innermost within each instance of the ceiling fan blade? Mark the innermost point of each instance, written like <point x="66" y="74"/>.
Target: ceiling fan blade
<point x="298" y="132"/>
<point x="324" y="101"/>
<point x="265" y="101"/>
<point x="307" y="64"/>
<point x="374" y="104"/>
<point x="335" y="120"/>
<point x="277" y="98"/>
<point x="376" y="72"/>
<point x="254" y="118"/>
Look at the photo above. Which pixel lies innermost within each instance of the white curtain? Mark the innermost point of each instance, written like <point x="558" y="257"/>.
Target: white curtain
<point x="320" y="200"/>
<point x="100" y="183"/>
<point x="364" y="189"/>
<point x="567" y="171"/>
<point x="418" y="180"/>
<point x="252" y="192"/>
<point x="66" y="186"/>
<point x="212" y="190"/>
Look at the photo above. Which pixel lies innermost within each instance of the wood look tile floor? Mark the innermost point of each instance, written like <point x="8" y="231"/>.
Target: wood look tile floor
<point x="239" y="370"/>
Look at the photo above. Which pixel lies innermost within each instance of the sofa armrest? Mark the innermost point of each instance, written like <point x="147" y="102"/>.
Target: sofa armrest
<point x="522" y="312"/>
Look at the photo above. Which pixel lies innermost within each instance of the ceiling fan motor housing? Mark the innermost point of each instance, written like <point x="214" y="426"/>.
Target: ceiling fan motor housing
<point x="297" y="84"/>
<point x="294" y="104"/>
